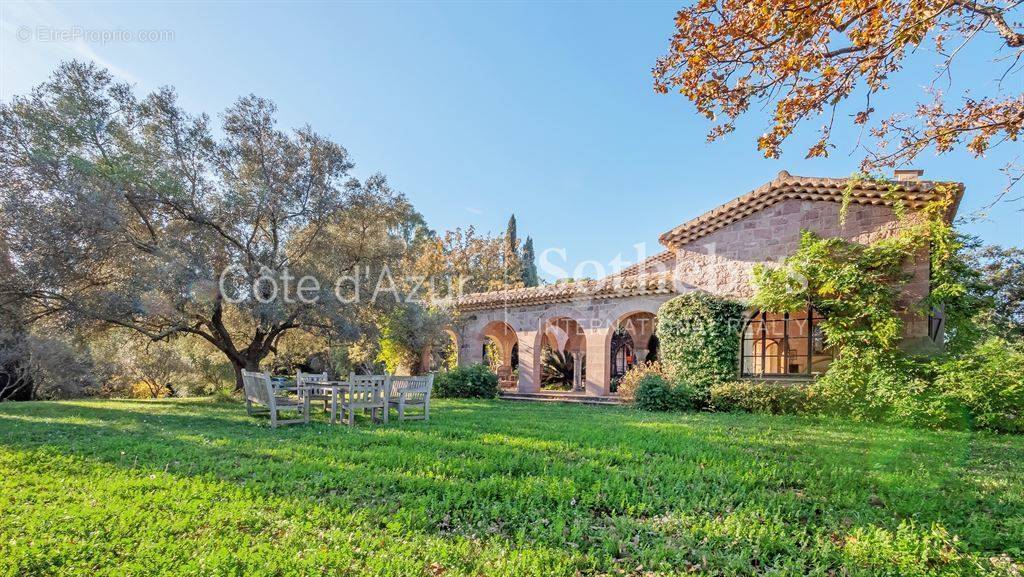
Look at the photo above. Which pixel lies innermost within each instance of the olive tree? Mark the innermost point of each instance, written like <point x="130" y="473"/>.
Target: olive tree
<point x="127" y="211"/>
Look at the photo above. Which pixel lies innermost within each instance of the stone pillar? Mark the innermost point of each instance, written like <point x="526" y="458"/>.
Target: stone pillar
<point x="599" y="361"/>
<point x="507" y="341"/>
<point x="529" y="361"/>
<point x="577" y="371"/>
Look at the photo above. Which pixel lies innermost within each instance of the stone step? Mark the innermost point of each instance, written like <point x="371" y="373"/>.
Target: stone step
<point x="555" y="397"/>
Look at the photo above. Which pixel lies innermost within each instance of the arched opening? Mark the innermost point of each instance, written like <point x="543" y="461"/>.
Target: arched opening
<point x="501" y="352"/>
<point x="563" y="355"/>
<point x="633" y="341"/>
<point x="623" y="355"/>
<point x="784" y="345"/>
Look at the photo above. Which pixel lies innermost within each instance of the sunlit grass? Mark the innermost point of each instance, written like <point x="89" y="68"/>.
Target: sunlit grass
<point x="497" y="488"/>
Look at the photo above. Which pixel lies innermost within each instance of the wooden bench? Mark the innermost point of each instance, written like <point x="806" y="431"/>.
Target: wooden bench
<point x="412" y="392"/>
<point x="260" y="390"/>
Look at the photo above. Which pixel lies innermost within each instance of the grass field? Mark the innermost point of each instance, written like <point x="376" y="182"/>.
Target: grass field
<point x="497" y="488"/>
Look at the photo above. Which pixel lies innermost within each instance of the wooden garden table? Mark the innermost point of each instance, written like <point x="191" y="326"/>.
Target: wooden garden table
<point x="333" y="389"/>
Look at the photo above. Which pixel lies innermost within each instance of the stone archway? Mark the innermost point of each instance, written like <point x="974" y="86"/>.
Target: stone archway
<point x="563" y="354"/>
<point x="631" y="341"/>
<point x="500" y="338"/>
<point x="596" y="320"/>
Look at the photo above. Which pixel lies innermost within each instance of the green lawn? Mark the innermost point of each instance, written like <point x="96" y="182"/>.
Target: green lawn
<point x="497" y="488"/>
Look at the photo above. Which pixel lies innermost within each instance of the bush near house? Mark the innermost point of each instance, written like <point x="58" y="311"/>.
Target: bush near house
<point x="761" y="397"/>
<point x="630" y="381"/>
<point x="883" y="386"/>
<point x="981" y="387"/>
<point x="699" y="339"/>
<point x="987" y="385"/>
<point x="473" y="381"/>
<point x="655" y="393"/>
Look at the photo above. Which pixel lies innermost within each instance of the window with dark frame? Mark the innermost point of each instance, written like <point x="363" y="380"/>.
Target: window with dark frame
<point x="784" y="345"/>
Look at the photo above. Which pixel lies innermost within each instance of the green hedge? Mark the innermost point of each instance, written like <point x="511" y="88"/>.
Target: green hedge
<point x="987" y="385"/>
<point x="979" y="388"/>
<point x="699" y="336"/>
<point x="761" y="397"/>
<point x="655" y="393"/>
<point x="474" y="381"/>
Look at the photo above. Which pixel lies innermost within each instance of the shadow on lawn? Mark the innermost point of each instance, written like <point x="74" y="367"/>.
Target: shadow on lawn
<point x="497" y="468"/>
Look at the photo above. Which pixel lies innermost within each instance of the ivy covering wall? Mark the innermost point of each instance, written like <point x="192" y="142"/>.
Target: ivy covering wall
<point x="699" y="336"/>
<point x="972" y="381"/>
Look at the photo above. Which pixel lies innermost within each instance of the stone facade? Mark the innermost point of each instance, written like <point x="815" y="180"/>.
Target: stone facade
<point x="595" y="318"/>
<point x="715" y="252"/>
<point x="721" y="262"/>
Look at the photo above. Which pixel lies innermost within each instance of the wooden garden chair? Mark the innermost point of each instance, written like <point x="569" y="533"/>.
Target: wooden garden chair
<point x="260" y="390"/>
<point x="366" y="393"/>
<point x="310" y="379"/>
<point x="411" y="392"/>
<point x="506" y="378"/>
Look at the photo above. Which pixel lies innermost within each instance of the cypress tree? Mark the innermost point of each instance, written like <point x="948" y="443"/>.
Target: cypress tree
<point x="529" y="264"/>
<point x="513" y="264"/>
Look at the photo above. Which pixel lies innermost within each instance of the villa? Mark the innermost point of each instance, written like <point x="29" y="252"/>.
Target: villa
<point x="609" y="324"/>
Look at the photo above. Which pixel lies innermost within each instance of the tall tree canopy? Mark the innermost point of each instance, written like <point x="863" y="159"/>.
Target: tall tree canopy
<point x="510" y="255"/>
<point x="463" y="261"/>
<point x="529" y="260"/>
<point x="1001" y="270"/>
<point x="806" y="58"/>
<point x="127" y="212"/>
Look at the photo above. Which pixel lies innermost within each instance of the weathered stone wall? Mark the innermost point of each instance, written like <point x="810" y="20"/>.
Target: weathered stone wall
<point x="721" y="262"/>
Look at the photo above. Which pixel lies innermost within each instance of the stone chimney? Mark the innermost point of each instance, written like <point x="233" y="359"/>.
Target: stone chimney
<point x="908" y="174"/>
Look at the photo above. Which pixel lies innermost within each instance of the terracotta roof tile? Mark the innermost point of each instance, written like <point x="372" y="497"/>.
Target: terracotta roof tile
<point x="661" y="257"/>
<point x="608" y="287"/>
<point x="786" y="186"/>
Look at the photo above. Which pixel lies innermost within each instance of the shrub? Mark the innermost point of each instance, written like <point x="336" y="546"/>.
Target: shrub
<point x="558" y="368"/>
<point x="760" y="397"/>
<point x="655" y="393"/>
<point x="979" y="388"/>
<point x="987" y="385"/>
<point x="474" y="381"/>
<point x="226" y="394"/>
<point x="885" y="386"/>
<point x="686" y="397"/>
<point x="631" y="380"/>
<point x="699" y="339"/>
<point x="871" y="386"/>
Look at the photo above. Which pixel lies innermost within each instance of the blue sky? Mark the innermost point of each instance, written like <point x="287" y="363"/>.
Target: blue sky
<point x="476" y="111"/>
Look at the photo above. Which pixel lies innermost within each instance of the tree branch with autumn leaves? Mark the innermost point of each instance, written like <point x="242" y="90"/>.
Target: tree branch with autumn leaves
<point x="804" y="58"/>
